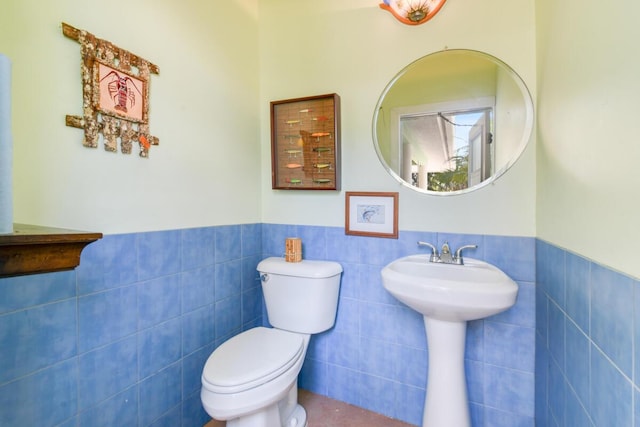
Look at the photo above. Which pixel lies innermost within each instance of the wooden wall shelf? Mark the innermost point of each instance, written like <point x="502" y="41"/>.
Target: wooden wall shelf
<point x="33" y="249"/>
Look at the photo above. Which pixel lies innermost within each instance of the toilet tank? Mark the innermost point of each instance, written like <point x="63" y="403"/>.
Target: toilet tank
<point x="300" y="296"/>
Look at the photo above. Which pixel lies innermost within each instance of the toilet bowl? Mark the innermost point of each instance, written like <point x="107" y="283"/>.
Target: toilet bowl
<point x="248" y="376"/>
<point x="251" y="379"/>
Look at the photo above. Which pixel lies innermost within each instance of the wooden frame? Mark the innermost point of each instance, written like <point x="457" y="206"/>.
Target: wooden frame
<point x="115" y="94"/>
<point x="305" y="143"/>
<point x="371" y="214"/>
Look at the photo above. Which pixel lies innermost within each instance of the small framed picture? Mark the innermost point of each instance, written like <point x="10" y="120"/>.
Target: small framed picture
<point x="371" y="214"/>
<point x="121" y="94"/>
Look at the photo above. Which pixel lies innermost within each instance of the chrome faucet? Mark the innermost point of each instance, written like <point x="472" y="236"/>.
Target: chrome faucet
<point x="445" y="256"/>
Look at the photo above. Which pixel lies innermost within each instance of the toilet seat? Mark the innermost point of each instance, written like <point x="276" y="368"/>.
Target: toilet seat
<point x="251" y="359"/>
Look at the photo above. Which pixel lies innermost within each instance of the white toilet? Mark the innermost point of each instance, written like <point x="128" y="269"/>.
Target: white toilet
<point x="251" y="379"/>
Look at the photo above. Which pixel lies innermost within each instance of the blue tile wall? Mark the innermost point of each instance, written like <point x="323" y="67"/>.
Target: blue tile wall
<point x="121" y="340"/>
<point x="587" y="369"/>
<point x="376" y="355"/>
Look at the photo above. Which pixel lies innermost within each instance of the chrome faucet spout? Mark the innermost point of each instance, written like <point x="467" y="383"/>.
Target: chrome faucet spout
<point x="445" y="254"/>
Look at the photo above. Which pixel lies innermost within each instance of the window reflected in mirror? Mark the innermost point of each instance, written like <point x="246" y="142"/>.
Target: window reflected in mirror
<point x="447" y="150"/>
<point x="452" y="121"/>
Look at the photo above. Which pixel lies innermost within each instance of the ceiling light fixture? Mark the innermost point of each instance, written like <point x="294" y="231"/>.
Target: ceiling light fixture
<point x="412" y="12"/>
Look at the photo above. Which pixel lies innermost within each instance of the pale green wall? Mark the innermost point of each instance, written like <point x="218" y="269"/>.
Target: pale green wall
<point x="219" y="68"/>
<point x="354" y="48"/>
<point x="203" y="107"/>
<point x="588" y="129"/>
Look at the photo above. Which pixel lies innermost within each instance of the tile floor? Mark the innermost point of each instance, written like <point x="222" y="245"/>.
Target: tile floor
<point x="326" y="412"/>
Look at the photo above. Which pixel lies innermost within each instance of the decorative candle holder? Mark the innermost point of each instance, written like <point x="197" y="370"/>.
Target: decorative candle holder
<point x="293" y="249"/>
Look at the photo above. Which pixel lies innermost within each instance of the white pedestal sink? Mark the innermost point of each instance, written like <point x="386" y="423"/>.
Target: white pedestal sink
<point x="448" y="295"/>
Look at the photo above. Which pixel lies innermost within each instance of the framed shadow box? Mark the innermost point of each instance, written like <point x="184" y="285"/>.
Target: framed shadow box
<point x="305" y="143"/>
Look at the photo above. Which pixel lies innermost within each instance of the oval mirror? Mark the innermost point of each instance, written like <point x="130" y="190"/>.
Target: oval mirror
<point x="452" y="122"/>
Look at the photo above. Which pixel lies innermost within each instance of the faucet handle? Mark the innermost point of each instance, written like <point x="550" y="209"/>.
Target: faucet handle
<point x="434" y="251"/>
<point x="458" y="257"/>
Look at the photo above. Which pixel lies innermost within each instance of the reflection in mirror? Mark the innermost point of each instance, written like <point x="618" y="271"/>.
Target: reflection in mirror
<point x="452" y="121"/>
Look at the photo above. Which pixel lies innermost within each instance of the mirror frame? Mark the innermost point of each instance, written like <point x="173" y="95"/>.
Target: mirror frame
<point x="521" y="146"/>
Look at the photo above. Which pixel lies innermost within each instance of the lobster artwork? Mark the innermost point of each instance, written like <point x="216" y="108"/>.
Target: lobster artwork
<point x="115" y="95"/>
<point x="121" y="90"/>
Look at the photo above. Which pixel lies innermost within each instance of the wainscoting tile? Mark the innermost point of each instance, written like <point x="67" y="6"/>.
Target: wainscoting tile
<point x="577" y="289"/>
<point x="504" y="389"/>
<point x="577" y="357"/>
<point x="340" y="246"/>
<point x="228" y="243"/>
<point x="228" y="279"/>
<point x="523" y="313"/>
<point x="119" y="410"/>
<point x="509" y="346"/>
<point x="636" y="337"/>
<point x="107" y="371"/>
<point x="198" y="247"/>
<point x="47" y="397"/>
<point x="159" y="394"/>
<point x="550" y="271"/>
<point x="159" y="253"/>
<point x="250" y="277"/>
<point x="35" y="338"/>
<point x="475" y="381"/>
<point x="344" y="350"/>
<point x="106" y="316"/>
<point x="576" y="414"/>
<point x="313" y="242"/>
<point x="109" y="263"/>
<point x="228" y="317"/>
<point x="251" y="239"/>
<point x="198" y="329"/>
<point x="197" y="287"/>
<point x="21" y="292"/>
<point x="611" y="393"/>
<point x="192" y="365"/>
<point x="159" y="346"/>
<point x="556" y="334"/>
<point x="497" y="418"/>
<point x="159" y="299"/>
<point x="611" y="316"/>
<point x="410" y="366"/>
<point x="512" y="255"/>
<point x="193" y="414"/>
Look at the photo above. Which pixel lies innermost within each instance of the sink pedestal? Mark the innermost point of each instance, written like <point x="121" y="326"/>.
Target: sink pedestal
<point x="446" y="403"/>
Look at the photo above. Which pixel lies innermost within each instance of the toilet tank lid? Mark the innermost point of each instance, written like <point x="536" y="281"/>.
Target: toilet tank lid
<point x="306" y="268"/>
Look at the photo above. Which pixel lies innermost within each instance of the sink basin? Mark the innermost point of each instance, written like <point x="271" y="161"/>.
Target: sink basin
<point x="448" y="295"/>
<point x="450" y="292"/>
